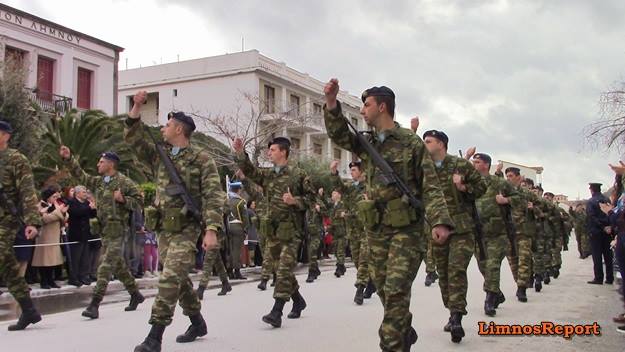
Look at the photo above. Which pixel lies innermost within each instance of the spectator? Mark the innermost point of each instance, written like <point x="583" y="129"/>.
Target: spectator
<point x="150" y="254"/>
<point x="80" y="211"/>
<point x="48" y="254"/>
<point x="617" y="222"/>
<point x="252" y="235"/>
<point x="95" y="244"/>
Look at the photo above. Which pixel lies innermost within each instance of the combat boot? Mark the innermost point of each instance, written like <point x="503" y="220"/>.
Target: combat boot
<point x="556" y="272"/>
<point x="499" y="299"/>
<point x="547" y="279"/>
<point x="410" y="338"/>
<point x="274" y="318"/>
<point x="317" y="272"/>
<point x="430" y="278"/>
<point x="457" y="332"/>
<point x="152" y="343"/>
<point x="29" y="315"/>
<point x="262" y="285"/>
<point x="538" y="284"/>
<point x="311" y="276"/>
<point x="521" y="295"/>
<point x="200" y="292"/>
<point x="92" y="309"/>
<point x="225" y="288"/>
<point x="195" y="330"/>
<point x="230" y="274"/>
<point x="238" y="276"/>
<point x="299" y="304"/>
<point x="343" y="269"/>
<point x="273" y="281"/>
<point x="359" y="297"/>
<point x="489" y="304"/>
<point x="370" y="290"/>
<point x="135" y="299"/>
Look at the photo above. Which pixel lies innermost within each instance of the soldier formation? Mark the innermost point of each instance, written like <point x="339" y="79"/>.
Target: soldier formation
<point x="429" y="205"/>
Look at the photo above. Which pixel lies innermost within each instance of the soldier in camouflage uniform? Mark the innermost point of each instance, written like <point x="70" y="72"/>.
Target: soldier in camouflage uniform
<point x="525" y="224"/>
<point x="314" y="220"/>
<point x="338" y="213"/>
<point x="548" y="238"/>
<point x="178" y="232"/>
<point x="212" y="260"/>
<point x="287" y="192"/>
<point x="581" y="233"/>
<point x="491" y="207"/>
<point x="535" y="226"/>
<point x="116" y="196"/>
<point x="395" y="231"/>
<point x="556" y="223"/>
<point x="18" y="207"/>
<point x="461" y="185"/>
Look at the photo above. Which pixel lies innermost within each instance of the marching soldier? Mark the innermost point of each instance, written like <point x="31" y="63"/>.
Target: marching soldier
<point x="178" y="230"/>
<point x="461" y="185"/>
<point x="287" y="191"/>
<point x="18" y="207"/>
<point x="117" y="196"/>
<point x="238" y="223"/>
<point x="397" y="242"/>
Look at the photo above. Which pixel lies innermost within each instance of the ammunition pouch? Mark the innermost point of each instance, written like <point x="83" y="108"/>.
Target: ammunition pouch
<point x="152" y="218"/>
<point x="368" y="213"/>
<point x="398" y="214"/>
<point x="173" y="219"/>
<point x="286" y="231"/>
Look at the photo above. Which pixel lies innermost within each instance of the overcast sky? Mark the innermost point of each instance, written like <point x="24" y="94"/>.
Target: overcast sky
<point x="518" y="79"/>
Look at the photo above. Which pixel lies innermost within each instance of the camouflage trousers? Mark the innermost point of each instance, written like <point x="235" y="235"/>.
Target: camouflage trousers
<point x="556" y="252"/>
<point x="313" y="247"/>
<point x="548" y="251"/>
<point x="430" y="263"/>
<point x="177" y="253"/>
<point x="340" y="244"/>
<point x="236" y="238"/>
<point x="538" y="255"/>
<point x="285" y="255"/>
<point x="113" y="262"/>
<point x="362" y="274"/>
<point x="394" y="259"/>
<point x="490" y="268"/>
<point x="269" y="264"/>
<point x="355" y="234"/>
<point x="9" y="267"/>
<point x="452" y="260"/>
<point x="212" y="260"/>
<point x="583" y="242"/>
<point x="521" y="264"/>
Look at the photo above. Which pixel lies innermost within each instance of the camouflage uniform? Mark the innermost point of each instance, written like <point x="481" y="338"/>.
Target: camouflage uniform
<point x="269" y="265"/>
<point x="581" y="233"/>
<point x="281" y="224"/>
<point x="547" y="240"/>
<point x="178" y="234"/>
<point x="353" y="192"/>
<point x="339" y="230"/>
<point x="212" y="259"/>
<point x="16" y="182"/>
<point x="495" y="235"/>
<point x="521" y="264"/>
<point x="452" y="258"/>
<point x="113" y="218"/>
<point x="397" y="242"/>
<point x="314" y="221"/>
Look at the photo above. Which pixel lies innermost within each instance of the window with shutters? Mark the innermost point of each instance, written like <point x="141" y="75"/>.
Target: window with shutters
<point x="270" y="100"/>
<point x="45" y="78"/>
<point x="83" y="96"/>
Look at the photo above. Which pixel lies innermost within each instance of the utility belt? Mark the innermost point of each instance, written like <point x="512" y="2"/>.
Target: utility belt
<point x="168" y="219"/>
<point x="283" y="230"/>
<point x="394" y="213"/>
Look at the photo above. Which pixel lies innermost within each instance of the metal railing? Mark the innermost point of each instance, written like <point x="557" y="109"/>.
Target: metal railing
<point x="49" y="102"/>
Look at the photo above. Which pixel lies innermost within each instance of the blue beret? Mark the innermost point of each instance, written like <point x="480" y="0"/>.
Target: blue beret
<point x="236" y="185"/>
<point x="110" y="156"/>
<point x="484" y="157"/>
<point x="440" y="135"/>
<point x="6" y="127"/>
<point x="382" y="91"/>
<point x="180" y="116"/>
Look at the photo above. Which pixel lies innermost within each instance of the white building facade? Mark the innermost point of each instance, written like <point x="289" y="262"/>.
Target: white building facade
<point x="65" y="68"/>
<point x="232" y="85"/>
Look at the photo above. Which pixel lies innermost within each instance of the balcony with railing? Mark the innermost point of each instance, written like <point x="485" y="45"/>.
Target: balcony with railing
<point x="49" y="102"/>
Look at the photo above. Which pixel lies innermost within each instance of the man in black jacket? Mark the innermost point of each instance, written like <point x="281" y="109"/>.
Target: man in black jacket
<point x="80" y="211"/>
<point x="597" y="223"/>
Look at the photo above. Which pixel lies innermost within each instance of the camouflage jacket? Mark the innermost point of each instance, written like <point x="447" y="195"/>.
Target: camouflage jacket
<point x="314" y="218"/>
<point x="352" y="192"/>
<point x="530" y="219"/>
<point x="16" y="182"/>
<point x="491" y="213"/>
<point x="338" y="215"/>
<point x="406" y="154"/>
<point x="108" y="209"/>
<point x="196" y="168"/>
<point x="459" y="203"/>
<point x="275" y="185"/>
<point x="579" y="221"/>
